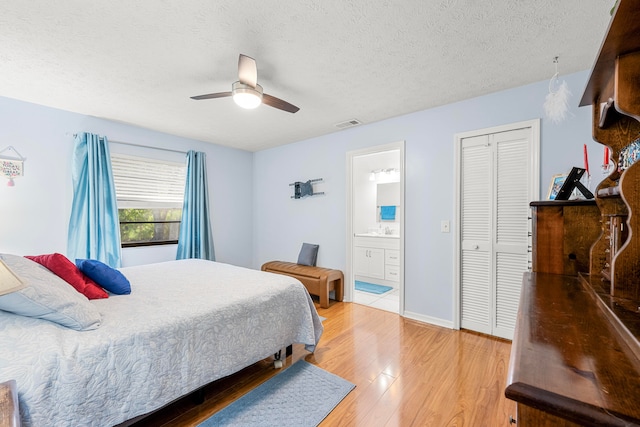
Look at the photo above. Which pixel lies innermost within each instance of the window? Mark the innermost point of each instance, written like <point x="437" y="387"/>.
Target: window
<point x="150" y="194"/>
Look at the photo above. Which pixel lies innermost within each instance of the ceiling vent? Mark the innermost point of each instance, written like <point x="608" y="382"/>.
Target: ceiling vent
<point x="348" y="124"/>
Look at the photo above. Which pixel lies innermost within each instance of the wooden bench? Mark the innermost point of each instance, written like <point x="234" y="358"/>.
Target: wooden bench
<point x="318" y="281"/>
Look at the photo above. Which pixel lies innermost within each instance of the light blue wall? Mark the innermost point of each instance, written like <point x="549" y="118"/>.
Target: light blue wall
<point x="254" y="218"/>
<point x="34" y="214"/>
<point x="281" y="224"/>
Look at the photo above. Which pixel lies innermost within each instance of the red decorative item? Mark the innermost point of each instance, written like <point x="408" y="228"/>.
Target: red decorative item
<point x="586" y="160"/>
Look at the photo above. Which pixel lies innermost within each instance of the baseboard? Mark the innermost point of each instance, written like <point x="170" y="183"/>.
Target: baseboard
<point x="428" y="319"/>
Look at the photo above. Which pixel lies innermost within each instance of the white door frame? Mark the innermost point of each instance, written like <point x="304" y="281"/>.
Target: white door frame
<point x="349" y="276"/>
<point x="534" y="172"/>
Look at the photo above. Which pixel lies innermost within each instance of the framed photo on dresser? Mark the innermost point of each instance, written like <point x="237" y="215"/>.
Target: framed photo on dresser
<point x="556" y="184"/>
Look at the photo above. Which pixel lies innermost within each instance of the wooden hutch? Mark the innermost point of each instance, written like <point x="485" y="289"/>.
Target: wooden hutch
<point x="575" y="358"/>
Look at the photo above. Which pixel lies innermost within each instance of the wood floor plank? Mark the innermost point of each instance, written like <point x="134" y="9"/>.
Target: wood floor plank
<point x="407" y="373"/>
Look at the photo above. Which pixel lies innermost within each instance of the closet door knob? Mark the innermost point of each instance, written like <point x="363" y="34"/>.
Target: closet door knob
<point x="476" y="247"/>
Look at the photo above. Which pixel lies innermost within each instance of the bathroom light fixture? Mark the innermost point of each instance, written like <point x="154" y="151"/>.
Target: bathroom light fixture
<point x="246" y="96"/>
<point x="388" y="175"/>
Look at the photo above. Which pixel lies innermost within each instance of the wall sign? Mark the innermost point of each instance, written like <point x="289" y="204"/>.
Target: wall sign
<point x="11" y="167"/>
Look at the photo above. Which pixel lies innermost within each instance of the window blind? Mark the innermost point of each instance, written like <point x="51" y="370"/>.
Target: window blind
<point x="143" y="183"/>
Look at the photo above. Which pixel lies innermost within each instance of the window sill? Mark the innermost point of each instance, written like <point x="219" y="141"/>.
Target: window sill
<point x="158" y="243"/>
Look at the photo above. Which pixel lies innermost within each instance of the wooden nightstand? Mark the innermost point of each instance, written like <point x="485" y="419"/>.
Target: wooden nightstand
<point x="9" y="412"/>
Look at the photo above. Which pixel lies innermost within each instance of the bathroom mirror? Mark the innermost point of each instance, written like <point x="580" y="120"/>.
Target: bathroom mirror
<point x="388" y="194"/>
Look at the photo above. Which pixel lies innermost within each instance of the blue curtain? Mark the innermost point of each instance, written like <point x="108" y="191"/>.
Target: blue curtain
<point x="94" y="229"/>
<point x="196" y="239"/>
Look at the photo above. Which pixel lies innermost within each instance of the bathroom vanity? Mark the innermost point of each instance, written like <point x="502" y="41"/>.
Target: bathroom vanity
<point x="377" y="258"/>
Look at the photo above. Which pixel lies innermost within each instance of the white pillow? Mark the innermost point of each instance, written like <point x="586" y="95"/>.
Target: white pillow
<point x="46" y="296"/>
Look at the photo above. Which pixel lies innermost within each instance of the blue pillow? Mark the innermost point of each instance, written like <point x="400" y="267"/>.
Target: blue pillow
<point x="109" y="278"/>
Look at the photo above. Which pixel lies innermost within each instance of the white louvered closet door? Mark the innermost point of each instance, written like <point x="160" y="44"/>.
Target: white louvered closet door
<point x="495" y="194"/>
<point x="512" y="192"/>
<point x="475" y="254"/>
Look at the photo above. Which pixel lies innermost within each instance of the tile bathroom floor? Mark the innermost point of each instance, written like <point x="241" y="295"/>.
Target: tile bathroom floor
<point x="389" y="301"/>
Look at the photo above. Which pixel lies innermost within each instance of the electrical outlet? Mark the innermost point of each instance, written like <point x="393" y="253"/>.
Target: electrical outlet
<point x="444" y="226"/>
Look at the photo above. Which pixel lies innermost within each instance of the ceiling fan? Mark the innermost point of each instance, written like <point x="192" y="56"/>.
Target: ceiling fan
<point x="246" y="92"/>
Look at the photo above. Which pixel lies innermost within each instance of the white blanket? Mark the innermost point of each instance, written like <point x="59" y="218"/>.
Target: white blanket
<point x="185" y="324"/>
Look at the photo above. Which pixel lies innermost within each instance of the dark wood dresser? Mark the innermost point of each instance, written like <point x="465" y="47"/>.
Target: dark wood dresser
<point x="562" y="233"/>
<point x="575" y="357"/>
<point x="570" y="365"/>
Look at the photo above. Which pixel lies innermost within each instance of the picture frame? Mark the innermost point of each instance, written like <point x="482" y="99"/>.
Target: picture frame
<point x="556" y="184"/>
<point x="573" y="186"/>
<point x="11" y="168"/>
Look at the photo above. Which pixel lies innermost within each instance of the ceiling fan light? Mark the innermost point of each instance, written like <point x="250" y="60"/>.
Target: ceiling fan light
<point x="246" y="96"/>
<point x="247" y="100"/>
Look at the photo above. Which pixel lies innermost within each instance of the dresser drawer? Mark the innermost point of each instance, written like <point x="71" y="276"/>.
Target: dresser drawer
<point x="391" y="257"/>
<point x="392" y="273"/>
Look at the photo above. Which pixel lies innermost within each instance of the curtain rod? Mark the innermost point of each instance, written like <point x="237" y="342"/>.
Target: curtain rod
<point x="147" y="146"/>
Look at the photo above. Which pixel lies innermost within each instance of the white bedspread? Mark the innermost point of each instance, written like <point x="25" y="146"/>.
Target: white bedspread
<point x="185" y="324"/>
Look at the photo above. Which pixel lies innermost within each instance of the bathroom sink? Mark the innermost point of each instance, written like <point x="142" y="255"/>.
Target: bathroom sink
<point x="377" y="235"/>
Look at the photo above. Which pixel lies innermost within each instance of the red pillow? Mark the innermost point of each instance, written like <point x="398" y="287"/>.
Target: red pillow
<point x="62" y="267"/>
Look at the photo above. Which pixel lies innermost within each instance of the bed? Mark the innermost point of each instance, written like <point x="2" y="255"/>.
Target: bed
<point x="185" y="324"/>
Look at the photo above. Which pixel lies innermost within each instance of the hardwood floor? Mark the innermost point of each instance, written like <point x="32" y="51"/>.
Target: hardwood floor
<point x="406" y="373"/>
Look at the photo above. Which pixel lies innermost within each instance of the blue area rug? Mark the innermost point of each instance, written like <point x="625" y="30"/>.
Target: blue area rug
<point x="372" y="288"/>
<point x="303" y="395"/>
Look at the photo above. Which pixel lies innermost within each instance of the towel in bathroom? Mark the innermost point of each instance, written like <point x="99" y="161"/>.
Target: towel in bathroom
<point x="387" y="212"/>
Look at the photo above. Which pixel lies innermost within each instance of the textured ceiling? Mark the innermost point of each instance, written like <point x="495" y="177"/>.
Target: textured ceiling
<point x="139" y="61"/>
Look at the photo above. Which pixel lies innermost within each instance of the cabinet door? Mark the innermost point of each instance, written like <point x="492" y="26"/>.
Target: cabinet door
<point x="376" y="263"/>
<point x="361" y="261"/>
<point x="528" y="416"/>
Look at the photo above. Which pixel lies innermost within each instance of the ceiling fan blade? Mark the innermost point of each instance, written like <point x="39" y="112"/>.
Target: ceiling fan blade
<point x="212" y="95"/>
<point x="247" y="71"/>
<point x="278" y="103"/>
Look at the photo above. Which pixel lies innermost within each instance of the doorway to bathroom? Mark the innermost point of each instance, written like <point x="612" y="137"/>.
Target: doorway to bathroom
<point x="375" y="227"/>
